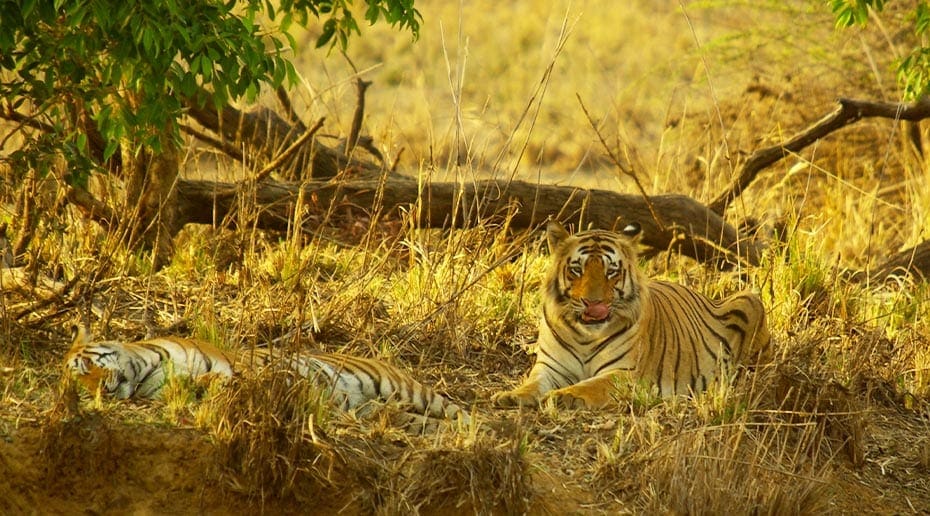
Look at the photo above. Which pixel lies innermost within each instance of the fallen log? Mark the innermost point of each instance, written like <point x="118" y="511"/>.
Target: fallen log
<point x="686" y="225"/>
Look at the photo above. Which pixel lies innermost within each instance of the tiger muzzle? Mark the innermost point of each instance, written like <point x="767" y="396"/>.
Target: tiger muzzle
<point x="595" y="311"/>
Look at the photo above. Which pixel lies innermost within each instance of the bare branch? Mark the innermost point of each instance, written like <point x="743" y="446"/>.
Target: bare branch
<point x="92" y="208"/>
<point x="914" y="261"/>
<point x="620" y="166"/>
<point x="230" y="150"/>
<point x="25" y="120"/>
<point x="848" y="112"/>
<point x="288" y="107"/>
<point x="288" y="152"/>
<point x="355" y="130"/>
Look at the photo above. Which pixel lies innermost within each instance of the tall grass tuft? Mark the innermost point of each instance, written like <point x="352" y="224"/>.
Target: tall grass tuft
<point x="268" y="429"/>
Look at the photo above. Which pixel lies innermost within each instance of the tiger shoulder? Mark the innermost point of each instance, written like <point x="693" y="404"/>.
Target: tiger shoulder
<point x="603" y="320"/>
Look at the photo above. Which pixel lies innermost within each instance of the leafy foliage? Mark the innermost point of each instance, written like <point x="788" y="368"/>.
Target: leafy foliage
<point x="913" y="69"/>
<point x="127" y="68"/>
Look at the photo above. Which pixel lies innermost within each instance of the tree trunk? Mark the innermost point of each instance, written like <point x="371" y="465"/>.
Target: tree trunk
<point x="152" y="199"/>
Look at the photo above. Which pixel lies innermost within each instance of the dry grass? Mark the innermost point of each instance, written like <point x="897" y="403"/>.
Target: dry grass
<point x="840" y="417"/>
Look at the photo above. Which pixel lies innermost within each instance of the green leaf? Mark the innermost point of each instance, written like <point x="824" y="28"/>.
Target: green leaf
<point x="291" y="41"/>
<point x="27" y="7"/>
<point x="329" y="29"/>
<point x="111" y="147"/>
<point x="206" y="68"/>
<point x="921" y="18"/>
<point x="292" y="78"/>
<point x="372" y="13"/>
<point x="81" y="142"/>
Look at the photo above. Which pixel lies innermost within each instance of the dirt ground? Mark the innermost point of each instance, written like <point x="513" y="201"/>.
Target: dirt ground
<point x="101" y="463"/>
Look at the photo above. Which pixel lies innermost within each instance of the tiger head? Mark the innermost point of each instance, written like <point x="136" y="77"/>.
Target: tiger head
<point x="594" y="281"/>
<point x="95" y="366"/>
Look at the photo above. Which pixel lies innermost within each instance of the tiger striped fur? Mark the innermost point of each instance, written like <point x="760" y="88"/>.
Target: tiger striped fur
<point x="603" y="320"/>
<point x="139" y="369"/>
<point x="354" y="381"/>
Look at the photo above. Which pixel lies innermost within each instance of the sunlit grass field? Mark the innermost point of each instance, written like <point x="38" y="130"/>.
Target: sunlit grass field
<point x="683" y="92"/>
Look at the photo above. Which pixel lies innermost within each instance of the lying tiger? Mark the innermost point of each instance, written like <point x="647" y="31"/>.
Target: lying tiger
<point x="603" y="320"/>
<point x="140" y="369"/>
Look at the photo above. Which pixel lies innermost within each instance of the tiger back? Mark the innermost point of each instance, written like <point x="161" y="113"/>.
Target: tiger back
<point x="603" y="320"/>
<point x="354" y="381"/>
<point x="140" y="369"/>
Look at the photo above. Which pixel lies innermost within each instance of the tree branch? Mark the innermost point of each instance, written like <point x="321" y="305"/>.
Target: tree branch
<point x="285" y="100"/>
<point x="848" y="112"/>
<point x="15" y="116"/>
<point x="230" y="150"/>
<point x="92" y="208"/>
<point x="263" y="132"/>
<point x="914" y="261"/>
<point x="355" y="130"/>
<point x="288" y="152"/>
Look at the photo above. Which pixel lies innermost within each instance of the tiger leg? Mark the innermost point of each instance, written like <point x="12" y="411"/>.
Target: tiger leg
<point x="594" y="392"/>
<point x="526" y="395"/>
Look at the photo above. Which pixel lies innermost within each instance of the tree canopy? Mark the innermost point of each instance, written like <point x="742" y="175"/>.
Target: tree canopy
<point x="127" y="68"/>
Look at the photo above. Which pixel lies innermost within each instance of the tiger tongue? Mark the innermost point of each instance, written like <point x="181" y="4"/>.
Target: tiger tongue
<point x="595" y="312"/>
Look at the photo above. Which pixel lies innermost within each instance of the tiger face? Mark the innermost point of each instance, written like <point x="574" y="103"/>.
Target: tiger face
<point x="140" y="369"/>
<point x="594" y="280"/>
<point x="100" y="366"/>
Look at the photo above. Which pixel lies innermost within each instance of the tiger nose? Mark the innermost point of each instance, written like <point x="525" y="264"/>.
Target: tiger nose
<point x="595" y="310"/>
<point x="594" y="304"/>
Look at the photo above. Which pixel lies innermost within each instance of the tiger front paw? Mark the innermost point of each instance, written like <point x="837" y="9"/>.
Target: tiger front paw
<point x="572" y="398"/>
<point x="515" y="398"/>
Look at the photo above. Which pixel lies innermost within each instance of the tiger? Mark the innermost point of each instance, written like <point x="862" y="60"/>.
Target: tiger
<point x="603" y="321"/>
<point x="138" y="370"/>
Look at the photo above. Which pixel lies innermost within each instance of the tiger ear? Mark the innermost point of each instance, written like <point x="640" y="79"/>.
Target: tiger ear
<point x="555" y="235"/>
<point x="80" y="335"/>
<point x="632" y="230"/>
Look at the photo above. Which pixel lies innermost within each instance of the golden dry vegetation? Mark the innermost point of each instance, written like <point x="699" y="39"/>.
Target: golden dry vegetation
<point x="683" y="92"/>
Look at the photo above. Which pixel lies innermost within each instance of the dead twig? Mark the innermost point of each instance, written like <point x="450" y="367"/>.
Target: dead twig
<point x="620" y="166"/>
<point x="230" y="150"/>
<point x="355" y="130"/>
<point x="91" y="207"/>
<point x="285" y="100"/>
<point x="289" y="151"/>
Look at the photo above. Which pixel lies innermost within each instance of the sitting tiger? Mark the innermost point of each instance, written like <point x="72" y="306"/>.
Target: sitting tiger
<point x="139" y="369"/>
<point x="603" y="320"/>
